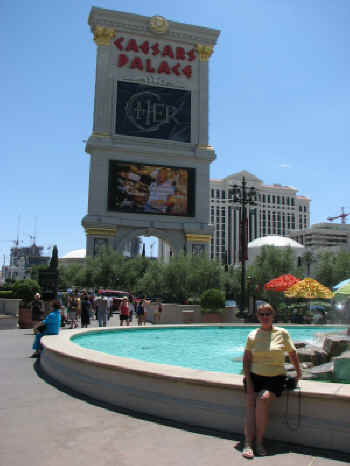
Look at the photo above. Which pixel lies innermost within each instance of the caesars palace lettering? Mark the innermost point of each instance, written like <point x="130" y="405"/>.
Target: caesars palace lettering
<point x="177" y="53"/>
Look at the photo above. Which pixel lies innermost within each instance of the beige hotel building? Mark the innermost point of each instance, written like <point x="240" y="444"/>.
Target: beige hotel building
<point x="279" y="211"/>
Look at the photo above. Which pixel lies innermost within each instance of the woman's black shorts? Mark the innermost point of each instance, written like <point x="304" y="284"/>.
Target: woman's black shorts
<point x="272" y="384"/>
<point x="124" y="317"/>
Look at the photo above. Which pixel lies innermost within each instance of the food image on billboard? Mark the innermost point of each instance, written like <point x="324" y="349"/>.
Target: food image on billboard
<point x="150" y="189"/>
<point x="153" y="112"/>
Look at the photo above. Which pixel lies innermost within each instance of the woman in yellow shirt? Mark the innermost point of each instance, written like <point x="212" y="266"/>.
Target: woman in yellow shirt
<point x="264" y="375"/>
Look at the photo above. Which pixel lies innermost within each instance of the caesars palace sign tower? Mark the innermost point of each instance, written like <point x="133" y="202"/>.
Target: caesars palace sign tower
<point x="150" y="157"/>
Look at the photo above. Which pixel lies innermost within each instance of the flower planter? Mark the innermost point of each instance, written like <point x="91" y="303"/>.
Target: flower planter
<point x="211" y="318"/>
<point x="25" y="317"/>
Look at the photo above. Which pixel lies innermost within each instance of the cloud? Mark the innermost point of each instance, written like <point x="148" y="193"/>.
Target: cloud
<point x="285" y="165"/>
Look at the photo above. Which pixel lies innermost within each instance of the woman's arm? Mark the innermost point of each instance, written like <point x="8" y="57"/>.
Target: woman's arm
<point x="293" y="357"/>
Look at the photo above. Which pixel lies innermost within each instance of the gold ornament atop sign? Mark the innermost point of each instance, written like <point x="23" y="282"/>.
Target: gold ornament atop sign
<point x="158" y="24"/>
<point x="103" y="35"/>
<point x="204" y="51"/>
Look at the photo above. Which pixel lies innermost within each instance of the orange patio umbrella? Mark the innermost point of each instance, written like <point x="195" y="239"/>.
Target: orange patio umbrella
<point x="309" y="289"/>
<point x="282" y="283"/>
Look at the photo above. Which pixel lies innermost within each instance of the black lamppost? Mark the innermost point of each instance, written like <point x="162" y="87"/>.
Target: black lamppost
<point x="245" y="197"/>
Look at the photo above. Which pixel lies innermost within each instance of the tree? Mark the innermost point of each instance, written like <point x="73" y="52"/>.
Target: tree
<point x="342" y="266"/>
<point x="308" y="258"/>
<point x="212" y="300"/>
<point x="54" y="258"/>
<point x="325" y="270"/>
<point x="25" y="290"/>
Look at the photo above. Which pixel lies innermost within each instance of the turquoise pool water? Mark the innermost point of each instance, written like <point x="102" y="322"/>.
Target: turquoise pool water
<point x="217" y="349"/>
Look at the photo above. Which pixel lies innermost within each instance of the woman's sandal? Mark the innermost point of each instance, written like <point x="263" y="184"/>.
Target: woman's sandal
<point x="260" y="450"/>
<point x="248" y="452"/>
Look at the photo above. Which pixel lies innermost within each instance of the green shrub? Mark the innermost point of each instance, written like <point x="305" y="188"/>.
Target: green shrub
<point x="25" y="290"/>
<point x="193" y="300"/>
<point x="212" y="300"/>
<point x="6" y="294"/>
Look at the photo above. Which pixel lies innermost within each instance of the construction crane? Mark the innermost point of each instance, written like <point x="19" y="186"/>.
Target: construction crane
<point x="343" y="216"/>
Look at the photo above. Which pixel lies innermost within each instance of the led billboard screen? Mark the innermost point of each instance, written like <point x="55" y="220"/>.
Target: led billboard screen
<point x="151" y="189"/>
<point x="153" y="112"/>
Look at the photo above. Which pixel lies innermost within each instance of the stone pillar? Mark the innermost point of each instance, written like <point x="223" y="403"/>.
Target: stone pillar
<point x="205" y="52"/>
<point x="103" y="84"/>
<point x="99" y="237"/>
<point x="197" y="245"/>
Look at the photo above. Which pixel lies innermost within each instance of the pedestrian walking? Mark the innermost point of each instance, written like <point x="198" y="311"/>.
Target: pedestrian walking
<point x="85" y="307"/>
<point x="73" y="311"/>
<point x="124" y="312"/>
<point x="131" y="309"/>
<point x="140" y="313"/>
<point x="101" y="310"/>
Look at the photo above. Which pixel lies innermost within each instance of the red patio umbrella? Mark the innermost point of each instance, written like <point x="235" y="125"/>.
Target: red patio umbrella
<point x="281" y="283"/>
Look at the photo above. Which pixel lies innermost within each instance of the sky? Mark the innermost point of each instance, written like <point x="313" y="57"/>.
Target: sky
<point x="279" y="105"/>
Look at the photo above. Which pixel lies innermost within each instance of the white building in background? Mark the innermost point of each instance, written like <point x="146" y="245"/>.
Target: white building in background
<point x="77" y="256"/>
<point x="333" y="236"/>
<point x="279" y="211"/>
<point x="281" y="242"/>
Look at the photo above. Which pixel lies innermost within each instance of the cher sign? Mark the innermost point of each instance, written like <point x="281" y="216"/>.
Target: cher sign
<point x="153" y="112"/>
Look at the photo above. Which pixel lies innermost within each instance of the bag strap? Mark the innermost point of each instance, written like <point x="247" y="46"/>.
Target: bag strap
<point x="297" y="426"/>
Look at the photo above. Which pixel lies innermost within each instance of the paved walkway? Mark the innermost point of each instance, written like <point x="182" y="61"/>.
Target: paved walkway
<point x="43" y="423"/>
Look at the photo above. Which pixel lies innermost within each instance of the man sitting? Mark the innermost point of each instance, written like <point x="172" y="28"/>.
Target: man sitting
<point x="50" y="326"/>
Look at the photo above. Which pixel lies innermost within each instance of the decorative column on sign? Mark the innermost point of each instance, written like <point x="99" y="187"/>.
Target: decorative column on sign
<point x="102" y="121"/>
<point x="205" y="52"/>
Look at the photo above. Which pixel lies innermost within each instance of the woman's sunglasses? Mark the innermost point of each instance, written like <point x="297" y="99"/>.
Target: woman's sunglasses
<point x="265" y="314"/>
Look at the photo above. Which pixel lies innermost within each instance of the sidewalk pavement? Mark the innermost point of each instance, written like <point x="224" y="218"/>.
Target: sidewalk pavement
<point x="43" y="423"/>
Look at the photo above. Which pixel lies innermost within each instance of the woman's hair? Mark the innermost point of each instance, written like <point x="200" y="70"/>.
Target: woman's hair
<point x="56" y="304"/>
<point x="266" y="307"/>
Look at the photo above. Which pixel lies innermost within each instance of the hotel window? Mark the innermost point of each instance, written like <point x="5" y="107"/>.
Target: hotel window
<point x="278" y="200"/>
<point x="282" y="200"/>
<point x="218" y="194"/>
<point x="273" y="199"/>
<point x="287" y="200"/>
<point x="292" y="202"/>
<point x="264" y="198"/>
<point x="268" y="198"/>
<point x="279" y="223"/>
<point x="293" y="222"/>
<point x="223" y="195"/>
<point x="212" y="193"/>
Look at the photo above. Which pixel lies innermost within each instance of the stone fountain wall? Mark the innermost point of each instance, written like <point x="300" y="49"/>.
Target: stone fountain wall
<point x="327" y="360"/>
